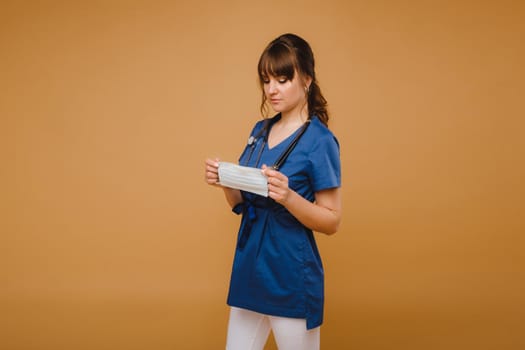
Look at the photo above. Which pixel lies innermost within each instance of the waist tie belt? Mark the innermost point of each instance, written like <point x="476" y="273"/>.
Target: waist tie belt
<point x="249" y="215"/>
<point x="247" y="210"/>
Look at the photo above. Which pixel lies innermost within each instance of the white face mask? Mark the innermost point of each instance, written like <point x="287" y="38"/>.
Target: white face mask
<point x="243" y="178"/>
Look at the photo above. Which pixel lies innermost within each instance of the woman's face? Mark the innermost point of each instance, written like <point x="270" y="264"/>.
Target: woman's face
<point x="284" y="95"/>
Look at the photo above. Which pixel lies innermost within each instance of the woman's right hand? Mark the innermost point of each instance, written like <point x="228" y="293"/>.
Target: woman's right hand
<point x="211" y="175"/>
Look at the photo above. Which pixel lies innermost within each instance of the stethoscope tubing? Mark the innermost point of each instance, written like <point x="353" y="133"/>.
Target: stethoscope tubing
<point x="253" y="141"/>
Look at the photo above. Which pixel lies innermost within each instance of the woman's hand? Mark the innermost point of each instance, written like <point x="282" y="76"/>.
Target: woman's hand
<point x="211" y="174"/>
<point x="322" y="215"/>
<point x="278" y="188"/>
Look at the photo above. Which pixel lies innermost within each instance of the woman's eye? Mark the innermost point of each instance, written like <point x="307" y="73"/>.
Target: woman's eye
<point x="283" y="80"/>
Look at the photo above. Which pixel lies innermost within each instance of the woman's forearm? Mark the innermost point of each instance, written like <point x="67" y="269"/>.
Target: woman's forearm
<point x="322" y="216"/>
<point x="233" y="197"/>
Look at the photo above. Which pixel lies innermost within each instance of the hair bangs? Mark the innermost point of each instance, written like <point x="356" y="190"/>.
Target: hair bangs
<point x="277" y="61"/>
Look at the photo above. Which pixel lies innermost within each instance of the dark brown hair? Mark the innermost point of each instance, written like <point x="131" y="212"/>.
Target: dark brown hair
<point x="281" y="58"/>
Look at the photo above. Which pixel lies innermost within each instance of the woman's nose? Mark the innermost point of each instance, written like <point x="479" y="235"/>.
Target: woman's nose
<point x="272" y="87"/>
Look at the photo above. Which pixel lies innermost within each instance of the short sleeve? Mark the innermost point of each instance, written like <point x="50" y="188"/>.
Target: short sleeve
<point x="325" y="163"/>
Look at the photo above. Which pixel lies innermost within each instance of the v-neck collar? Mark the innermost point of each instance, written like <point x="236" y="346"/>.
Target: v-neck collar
<point x="284" y="141"/>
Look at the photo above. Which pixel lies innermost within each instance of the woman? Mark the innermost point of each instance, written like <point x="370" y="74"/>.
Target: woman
<point x="277" y="278"/>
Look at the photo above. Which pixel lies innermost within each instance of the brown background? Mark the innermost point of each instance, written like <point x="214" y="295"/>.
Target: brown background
<point x="110" y="239"/>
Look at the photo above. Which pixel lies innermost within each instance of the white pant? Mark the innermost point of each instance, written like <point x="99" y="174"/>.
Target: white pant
<point x="248" y="330"/>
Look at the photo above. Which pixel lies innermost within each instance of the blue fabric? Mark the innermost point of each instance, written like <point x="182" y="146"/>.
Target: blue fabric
<point x="277" y="269"/>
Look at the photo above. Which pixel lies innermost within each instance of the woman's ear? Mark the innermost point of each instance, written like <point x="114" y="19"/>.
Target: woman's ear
<point x="307" y="82"/>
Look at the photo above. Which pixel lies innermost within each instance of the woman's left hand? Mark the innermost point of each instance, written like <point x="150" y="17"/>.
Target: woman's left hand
<point x="278" y="188"/>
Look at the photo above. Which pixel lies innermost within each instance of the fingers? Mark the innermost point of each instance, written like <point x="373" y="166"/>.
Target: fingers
<point x="277" y="184"/>
<point x="212" y="162"/>
<point x="271" y="173"/>
<point x="211" y="172"/>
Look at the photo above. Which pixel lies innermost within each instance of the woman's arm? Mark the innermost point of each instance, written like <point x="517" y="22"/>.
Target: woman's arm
<point x="324" y="215"/>
<point x="233" y="197"/>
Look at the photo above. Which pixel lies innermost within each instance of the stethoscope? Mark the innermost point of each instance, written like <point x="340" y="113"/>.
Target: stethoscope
<point x="253" y="140"/>
<point x="252" y="143"/>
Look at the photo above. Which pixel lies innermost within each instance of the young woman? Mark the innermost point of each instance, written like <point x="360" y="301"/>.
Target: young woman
<point x="277" y="278"/>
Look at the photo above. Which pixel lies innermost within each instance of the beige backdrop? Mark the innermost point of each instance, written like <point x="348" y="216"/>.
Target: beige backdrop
<point x="110" y="239"/>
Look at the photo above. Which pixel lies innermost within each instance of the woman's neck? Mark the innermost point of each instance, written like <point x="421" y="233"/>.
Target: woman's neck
<point x="285" y="126"/>
<point x="294" y="117"/>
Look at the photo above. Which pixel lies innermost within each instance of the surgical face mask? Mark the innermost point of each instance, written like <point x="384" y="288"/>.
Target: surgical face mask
<point x="243" y="178"/>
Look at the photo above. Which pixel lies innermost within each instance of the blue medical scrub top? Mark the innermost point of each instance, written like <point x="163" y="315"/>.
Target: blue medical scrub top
<point x="277" y="269"/>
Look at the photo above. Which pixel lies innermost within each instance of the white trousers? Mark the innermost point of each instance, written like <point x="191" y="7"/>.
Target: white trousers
<point x="248" y="330"/>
